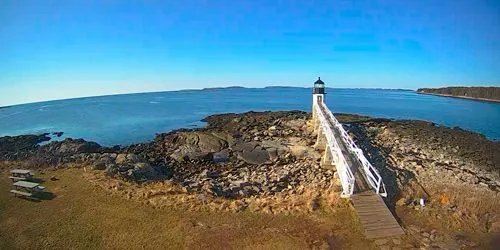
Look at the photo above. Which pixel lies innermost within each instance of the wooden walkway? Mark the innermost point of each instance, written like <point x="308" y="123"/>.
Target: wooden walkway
<point x="376" y="218"/>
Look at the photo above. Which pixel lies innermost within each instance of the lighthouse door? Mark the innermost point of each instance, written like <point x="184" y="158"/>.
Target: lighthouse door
<point x="320" y="99"/>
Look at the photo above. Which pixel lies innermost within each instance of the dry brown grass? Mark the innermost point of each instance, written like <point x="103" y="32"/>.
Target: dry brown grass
<point x="92" y="212"/>
<point x="474" y="208"/>
<point x="83" y="216"/>
<point x="478" y="202"/>
<point x="302" y="200"/>
<point x="455" y="210"/>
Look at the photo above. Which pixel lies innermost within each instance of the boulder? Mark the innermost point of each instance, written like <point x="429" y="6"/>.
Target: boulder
<point x="70" y="146"/>
<point x="99" y="165"/>
<point x="210" y="143"/>
<point x="273" y="154"/>
<point x="121" y="158"/>
<point x="206" y="142"/>
<point x="280" y="148"/>
<point x="132" y="158"/>
<point x="296" y="124"/>
<point x="190" y="152"/>
<point x="255" y="152"/>
<point x="240" y="145"/>
<point x="256" y="156"/>
<point x="111" y="170"/>
<point x="221" y="156"/>
<point x="58" y="134"/>
<point x="108" y="157"/>
<point x="139" y="171"/>
<point x="101" y="161"/>
<point x="303" y="152"/>
<point x="239" y="183"/>
<point x="143" y="171"/>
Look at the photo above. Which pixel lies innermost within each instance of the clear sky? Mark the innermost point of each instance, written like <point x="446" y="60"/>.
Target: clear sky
<point x="62" y="49"/>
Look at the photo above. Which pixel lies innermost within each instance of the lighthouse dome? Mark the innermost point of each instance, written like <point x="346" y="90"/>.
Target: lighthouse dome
<point x="319" y="87"/>
<point x="319" y="82"/>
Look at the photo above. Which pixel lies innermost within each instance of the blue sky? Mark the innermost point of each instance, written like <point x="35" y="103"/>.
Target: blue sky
<point x="62" y="49"/>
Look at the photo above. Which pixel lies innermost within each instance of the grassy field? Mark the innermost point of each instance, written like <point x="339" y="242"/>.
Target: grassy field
<point x="82" y="216"/>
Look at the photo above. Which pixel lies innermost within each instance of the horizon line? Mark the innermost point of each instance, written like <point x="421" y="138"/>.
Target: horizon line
<point x="217" y="88"/>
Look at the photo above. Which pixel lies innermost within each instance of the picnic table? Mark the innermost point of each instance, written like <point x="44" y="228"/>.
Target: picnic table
<point x="20" y="175"/>
<point x="26" y="189"/>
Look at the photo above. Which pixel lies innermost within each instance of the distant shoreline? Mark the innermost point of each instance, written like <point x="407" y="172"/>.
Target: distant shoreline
<point x="461" y="97"/>
<point x="187" y="90"/>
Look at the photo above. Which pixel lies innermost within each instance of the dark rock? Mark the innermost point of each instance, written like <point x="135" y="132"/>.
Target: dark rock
<point x="20" y="147"/>
<point x="99" y="165"/>
<point x="273" y="153"/>
<point x="188" y="152"/>
<point x="255" y="156"/>
<point x="70" y="146"/>
<point x="132" y="158"/>
<point x="58" y="134"/>
<point x="243" y="146"/>
<point x="221" y="156"/>
<point x="111" y="170"/>
<point x="206" y="142"/>
<point x="138" y="172"/>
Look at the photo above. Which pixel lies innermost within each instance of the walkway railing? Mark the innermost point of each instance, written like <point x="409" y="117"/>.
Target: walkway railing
<point x="344" y="172"/>
<point x="372" y="175"/>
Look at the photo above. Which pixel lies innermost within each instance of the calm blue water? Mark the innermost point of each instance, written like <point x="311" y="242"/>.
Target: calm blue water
<point x="124" y="119"/>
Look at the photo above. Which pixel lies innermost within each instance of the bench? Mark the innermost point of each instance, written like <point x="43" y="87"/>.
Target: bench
<point x="15" y="178"/>
<point x="17" y="192"/>
<point x="25" y="195"/>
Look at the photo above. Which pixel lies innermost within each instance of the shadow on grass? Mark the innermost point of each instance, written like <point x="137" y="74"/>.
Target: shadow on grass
<point x="39" y="197"/>
<point x="37" y="180"/>
<point x="45" y="196"/>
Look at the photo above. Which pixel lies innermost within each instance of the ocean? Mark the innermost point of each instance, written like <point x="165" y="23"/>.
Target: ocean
<point x="135" y="118"/>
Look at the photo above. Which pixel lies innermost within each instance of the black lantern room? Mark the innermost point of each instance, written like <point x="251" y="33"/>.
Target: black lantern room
<point x="319" y="87"/>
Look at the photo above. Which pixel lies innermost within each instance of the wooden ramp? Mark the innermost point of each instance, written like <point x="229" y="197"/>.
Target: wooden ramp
<point x="376" y="218"/>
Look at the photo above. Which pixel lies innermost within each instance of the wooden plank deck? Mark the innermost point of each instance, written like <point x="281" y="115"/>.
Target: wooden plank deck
<point x="376" y="218"/>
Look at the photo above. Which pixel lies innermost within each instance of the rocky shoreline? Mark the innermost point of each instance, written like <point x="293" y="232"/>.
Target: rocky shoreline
<point x="261" y="143"/>
<point x="265" y="161"/>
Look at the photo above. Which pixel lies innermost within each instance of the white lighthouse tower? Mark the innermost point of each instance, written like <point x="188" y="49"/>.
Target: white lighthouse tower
<point x="318" y="94"/>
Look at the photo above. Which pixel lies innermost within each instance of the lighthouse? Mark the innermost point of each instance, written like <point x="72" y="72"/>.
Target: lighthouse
<point x="318" y="93"/>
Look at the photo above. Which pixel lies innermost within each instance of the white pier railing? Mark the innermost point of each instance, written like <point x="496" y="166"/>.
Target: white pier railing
<point x="344" y="172"/>
<point x="372" y="175"/>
